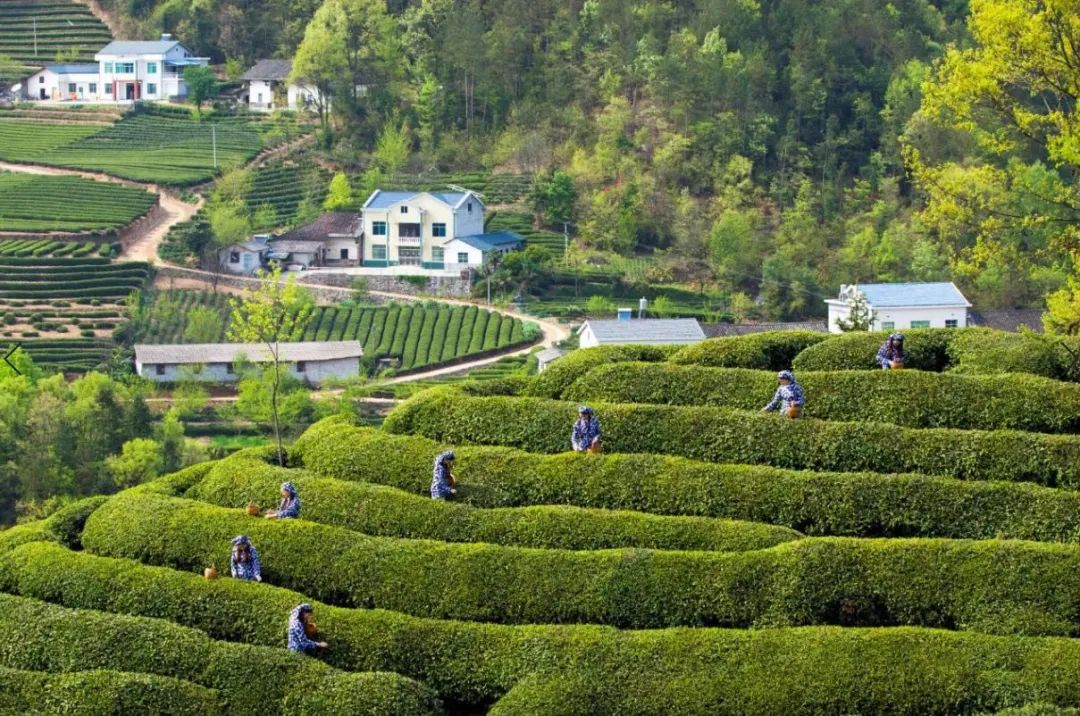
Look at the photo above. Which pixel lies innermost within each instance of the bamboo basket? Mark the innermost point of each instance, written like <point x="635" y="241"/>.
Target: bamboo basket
<point x="253" y="509"/>
<point x="210" y="573"/>
<point x="794" y="411"/>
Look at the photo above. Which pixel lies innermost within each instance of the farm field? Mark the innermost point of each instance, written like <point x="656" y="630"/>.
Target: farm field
<point x="59" y="25"/>
<point x="283" y="187"/>
<point x="723" y="579"/>
<point x="47" y="203"/>
<point x="418" y="335"/>
<point x="159" y="145"/>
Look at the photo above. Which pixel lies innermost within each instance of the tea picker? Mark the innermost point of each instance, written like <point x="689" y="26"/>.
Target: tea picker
<point x="245" y="560"/>
<point x="290" y="504"/>
<point x="788" y="396"/>
<point x="891" y="355"/>
<point x="585" y="435"/>
<point x="442" y="478"/>
<point x="301" y="629"/>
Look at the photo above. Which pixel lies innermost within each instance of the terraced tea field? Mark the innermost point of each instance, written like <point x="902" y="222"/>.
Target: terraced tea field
<point x="283" y="187"/>
<point x="419" y="336"/>
<point x="56" y="25"/>
<point x="688" y="569"/>
<point x="59" y="203"/>
<point x="158" y="145"/>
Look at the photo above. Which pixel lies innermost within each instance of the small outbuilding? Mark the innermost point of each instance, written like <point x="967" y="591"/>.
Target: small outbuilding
<point x="642" y="331"/>
<point x="331" y="240"/>
<point x="476" y="249"/>
<point x="897" y="306"/>
<point x="548" y="356"/>
<point x="268" y="87"/>
<point x="310" y="361"/>
<point x="245" y="258"/>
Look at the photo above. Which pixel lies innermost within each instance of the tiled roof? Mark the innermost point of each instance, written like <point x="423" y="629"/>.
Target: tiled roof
<point x="269" y="70"/>
<point x="73" y="69"/>
<point x="716" y="330"/>
<point x="1007" y="319"/>
<point x="649" y="330"/>
<point x="380" y="199"/>
<point x="492" y="240"/>
<point x="138" y="47"/>
<point x="182" y="354"/>
<point x="335" y="222"/>
<point x="902" y="295"/>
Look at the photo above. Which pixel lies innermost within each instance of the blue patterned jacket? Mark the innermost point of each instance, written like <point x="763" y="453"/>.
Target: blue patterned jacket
<point x="440" y="479"/>
<point x="251" y="569"/>
<point x="298" y="639"/>
<point x="585" y="431"/>
<point x="787" y="396"/>
<point x="887" y="354"/>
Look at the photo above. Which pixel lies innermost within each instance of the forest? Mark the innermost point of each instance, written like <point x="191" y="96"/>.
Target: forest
<point x="768" y="149"/>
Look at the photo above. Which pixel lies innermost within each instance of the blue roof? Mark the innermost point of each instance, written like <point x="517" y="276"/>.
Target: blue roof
<point x="138" y="47"/>
<point x="492" y="240"/>
<point x="884" y="295"/>
<point x="73" y="69"/>
<point x="385" y="199"/>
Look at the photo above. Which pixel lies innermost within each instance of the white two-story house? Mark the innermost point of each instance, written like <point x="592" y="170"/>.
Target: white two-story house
<point x="144" y="70"/>
<point x="432" y="230"/>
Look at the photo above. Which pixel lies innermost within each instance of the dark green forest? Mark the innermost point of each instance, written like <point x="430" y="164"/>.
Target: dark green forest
<point x="765" y="149"/>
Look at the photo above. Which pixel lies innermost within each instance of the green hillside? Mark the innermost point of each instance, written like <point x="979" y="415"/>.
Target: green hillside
<point x="58" y="26"/>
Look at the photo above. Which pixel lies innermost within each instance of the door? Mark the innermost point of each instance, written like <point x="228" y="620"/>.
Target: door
<point x="129" y="90"/>
<point x="42" y="93"/>
<point x="409" y="256"/>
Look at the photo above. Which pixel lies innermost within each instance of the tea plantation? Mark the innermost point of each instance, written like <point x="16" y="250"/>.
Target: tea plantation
<point x="418" y="336"/>
<point x="62" y="203"/>
<point x="928" y="562"/>
<point x="158" y="144"/>
<point x="59" y="26"/>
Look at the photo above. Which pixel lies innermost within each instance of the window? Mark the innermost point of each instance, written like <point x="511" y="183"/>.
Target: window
<point x="463" y="257"/>
<point x="378" y="252"/>
<point x="468" y="207"/>
<point x="71" y="87"/>
<point x="378" y="228"/>
<point x="229" y="368"/>
<point x="151" y="88"/>
<point x="106" y="67"/>
<point x="404" y="210"/>
<point x="159" y="368"/>
<point x="920" y="324"/>
<point x="93" y="88"/>
<point x="344" y="253"/>
<point x="438" y="255"/>
<point x="301" y="366"/>
<point x="234" y="257"/>
<point x="888" y="325"/>
<point x="951" y="323"/>
<point x="125" y="68"/>
<point x="438" y="230"/>
<point x="151" y="68"/>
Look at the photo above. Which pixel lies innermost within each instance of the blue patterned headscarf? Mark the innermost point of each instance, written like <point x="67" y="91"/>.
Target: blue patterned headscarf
<point x="289" y="487"/>
<point x="443" y="457"/>
<point x="298" y="610"/>
<point x="584" y="410"/>
<point x="897" y="337"/>
<point x="242" y="539"/>
<point x="786" y="375"/>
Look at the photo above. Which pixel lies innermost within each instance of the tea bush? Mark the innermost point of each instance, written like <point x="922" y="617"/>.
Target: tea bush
<point x="772" y="350"/>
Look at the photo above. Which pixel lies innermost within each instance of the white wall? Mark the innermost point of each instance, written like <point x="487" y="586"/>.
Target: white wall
<point x="261" y="94"/>
<point x="315" y="372"/>
<point x="56" y="86"/>
<point x="424" y="210"/>
<point x="468" y="223"/>
<point x="453" y="248"/>
<point x="901" y="318"/>
<point x="249" y="262"/>
<point x="298" y="96"/>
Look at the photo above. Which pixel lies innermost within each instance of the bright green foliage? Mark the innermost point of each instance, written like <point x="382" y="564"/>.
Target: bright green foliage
<point x="727" y="435"/>
<point x="139" y="461"/>
<point x="201" y="84"/>
<point x="925" y="349"/>
<point x="815" y="581"/>
<point x="829" y="503"/>
<point x="247" y="679"/>
<point x="553" y="198"/>
<point x="912" y="398"/>
<point x="772" y="350"/>
<point x="385" y="511"/>
<point x="339" y="195"/>
<point x="561" y="374"/>
<point x="44" y="203"/>
<point x="101" y="691"/>
<point x="761" y="671"/>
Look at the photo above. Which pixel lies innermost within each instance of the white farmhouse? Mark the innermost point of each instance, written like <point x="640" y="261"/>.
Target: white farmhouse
<point x="245" y="258"/>
<point x="331" y="240"/>
<point x="78" y="83"/>
<point x="144" y="70"/>
<point x="642" y="331"/>
<point x="268" y="87"/>
<point x="435" y="230"/>
<point x="312" y="361"/>
<point x="903" y="305"/>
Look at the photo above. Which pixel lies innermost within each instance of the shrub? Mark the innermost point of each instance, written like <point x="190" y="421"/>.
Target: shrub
<point x="249" y="679"/>
<point x="772" y="350"/>
<point x="1004" y="587"/>
<point x="30" y="334"/>
<point x="102" y="692"/>
<point x="926" y="350"/>
<point x="386" y="511"/>
<point x="727" y="435"/>
<point x="984" y="350"/>
<point x="912" y="398"/>
<point x="562" y="373"/>
<point x="821" y="503"/>
<point x="807" y="671"/>
<point x="9" y="318"/>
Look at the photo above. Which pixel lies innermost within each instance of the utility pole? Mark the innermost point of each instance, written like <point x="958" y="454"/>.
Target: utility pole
<point x="213" y="133"/>
<point x="566" y="241"/>
<point x="35" y="37"/>
<point x="489" y="289"/>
